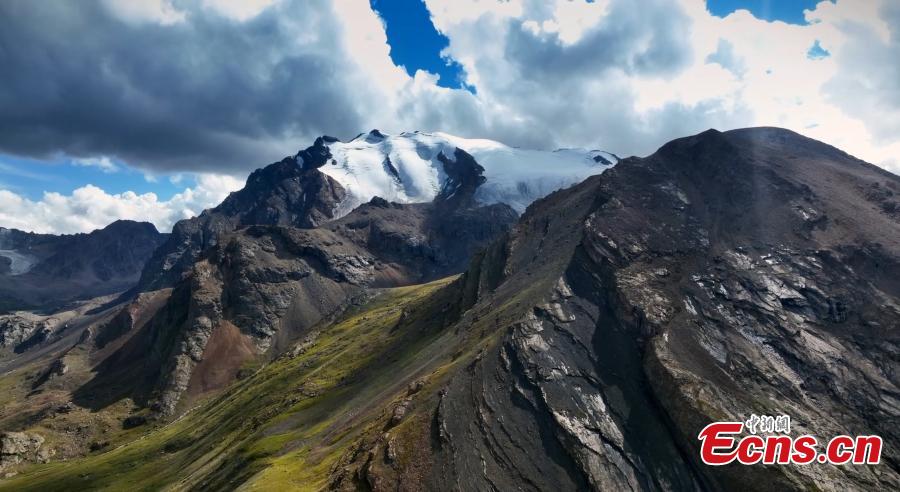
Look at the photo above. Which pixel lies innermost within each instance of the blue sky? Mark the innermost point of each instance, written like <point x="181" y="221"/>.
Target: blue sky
<point x="157" y="97"/>
<point x="32" y="177"/>
<point x="415" y="43"/>
<point x="790" y="11"/>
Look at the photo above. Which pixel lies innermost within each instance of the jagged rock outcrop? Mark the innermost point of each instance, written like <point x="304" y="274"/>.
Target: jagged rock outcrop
<point x="19" y="447"/>
<point x="464" y="176"/>
<point x="291" y="192"/>
<point x="23" y="330"/>
<point x="19" y="327"/>
<point x="727" y="274"/>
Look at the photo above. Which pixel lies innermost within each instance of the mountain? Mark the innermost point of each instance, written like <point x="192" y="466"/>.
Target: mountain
<point x="251" y="291"/>
<point x="47" y="271"/>
<point x="750" y="271"/>
<point x="330" y="178"/>
<point x="282" y="255"/>
<point x="584" y="348"/>
<point x="263" y="288"/>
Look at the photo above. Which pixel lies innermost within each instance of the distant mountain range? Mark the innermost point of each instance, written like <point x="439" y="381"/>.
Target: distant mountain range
<point x="45" y="271"/>
<point x="425" y="311"/>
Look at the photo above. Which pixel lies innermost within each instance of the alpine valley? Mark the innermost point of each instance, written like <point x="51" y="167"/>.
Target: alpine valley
<point x="427" y="312"/>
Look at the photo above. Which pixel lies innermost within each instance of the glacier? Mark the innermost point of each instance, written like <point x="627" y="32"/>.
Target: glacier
<point x="405" y="168"/>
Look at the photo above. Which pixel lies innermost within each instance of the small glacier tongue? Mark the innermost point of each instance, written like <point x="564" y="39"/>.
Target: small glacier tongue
<point x="19" y="263"/>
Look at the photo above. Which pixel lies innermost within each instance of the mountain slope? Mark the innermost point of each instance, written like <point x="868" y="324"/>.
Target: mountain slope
<point x="727" y="274"/>
<point x="335" y="381"/>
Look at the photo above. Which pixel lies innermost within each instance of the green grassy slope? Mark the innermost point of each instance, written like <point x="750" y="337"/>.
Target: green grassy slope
<point x="285" y="426"/>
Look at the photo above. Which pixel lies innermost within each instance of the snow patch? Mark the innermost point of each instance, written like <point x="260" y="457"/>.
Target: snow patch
<point x="405" y="168"/>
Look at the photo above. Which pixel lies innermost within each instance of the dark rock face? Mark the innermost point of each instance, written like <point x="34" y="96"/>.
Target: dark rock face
<point x="464" y="176"/>
<point x="71" y="267"/>
<point x="727" y="274"/>
<point x="317" y="155"/>
<point x="288" y="193"/>
<point x="118" y="250"/>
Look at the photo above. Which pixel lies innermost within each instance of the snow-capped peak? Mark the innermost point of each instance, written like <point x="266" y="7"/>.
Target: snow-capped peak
<point x="405" y="168"/>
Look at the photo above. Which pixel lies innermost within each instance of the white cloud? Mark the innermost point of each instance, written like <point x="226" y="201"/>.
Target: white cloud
<point x="866" y="84"/>
<point x="141" y="11"/>
<point x="103" y="163"/>
<point x="629" y="76"/>
<point x="241" y="10"/>
<point x="570" y="73"/>
<point x="618" y="74"/>
<point x="89" y="207"/>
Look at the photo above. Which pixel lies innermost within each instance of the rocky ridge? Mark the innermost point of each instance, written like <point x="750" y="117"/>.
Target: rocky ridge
<point x="18" y="447"/>
<point x="291" y="192"/>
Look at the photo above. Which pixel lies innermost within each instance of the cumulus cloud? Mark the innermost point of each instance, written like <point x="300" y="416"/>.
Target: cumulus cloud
<point x="634" y="75"/>
<point x="226" y="85"/>
<point x="171" y="89"/>
<point x="89" y="208"/>
<point x="726" y="58"/>
<point x="581" y="83"/>
<point x="867" y="85"/>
